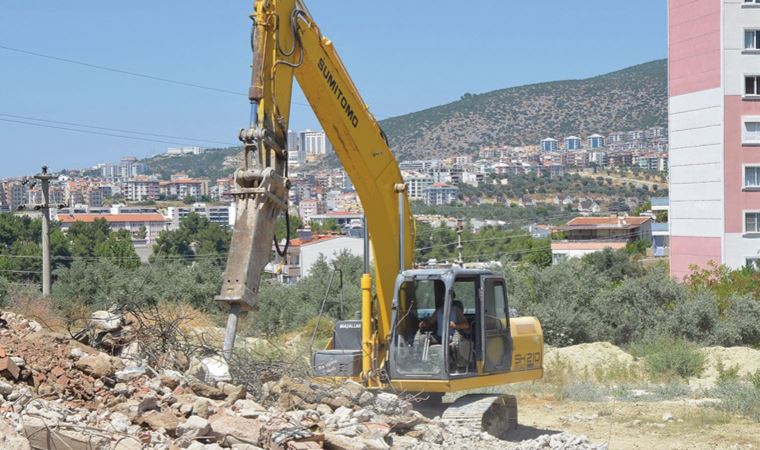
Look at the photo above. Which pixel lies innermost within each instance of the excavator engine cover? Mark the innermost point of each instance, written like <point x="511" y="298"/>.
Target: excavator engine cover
<point x="337" y="363"/>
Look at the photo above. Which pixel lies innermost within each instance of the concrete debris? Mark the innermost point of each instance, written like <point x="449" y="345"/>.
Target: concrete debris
<point x="70" y="395"/>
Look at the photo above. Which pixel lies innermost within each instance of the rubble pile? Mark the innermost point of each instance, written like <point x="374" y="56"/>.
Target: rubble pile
<point x="58" y="393"/>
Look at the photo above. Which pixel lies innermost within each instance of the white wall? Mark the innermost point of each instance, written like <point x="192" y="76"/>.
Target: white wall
<point x="696" y="164"/>
<point x="310" y="253"/>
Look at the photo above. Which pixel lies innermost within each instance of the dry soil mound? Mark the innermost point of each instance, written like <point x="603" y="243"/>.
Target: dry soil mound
<point x="746" y="359"/>
<point x="587" y="358"/>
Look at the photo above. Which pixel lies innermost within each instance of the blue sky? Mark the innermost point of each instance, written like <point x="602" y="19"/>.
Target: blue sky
<point x="403" y="55"/>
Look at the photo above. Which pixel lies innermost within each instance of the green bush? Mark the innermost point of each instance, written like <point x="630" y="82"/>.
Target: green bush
<point x="754" y="378"/>
<point x="740" y="324"/>
<point x="5" y="289"/>
<point x="666" y="357"/>
<point x="738" y="397"/>
<point x="695" y="319"/>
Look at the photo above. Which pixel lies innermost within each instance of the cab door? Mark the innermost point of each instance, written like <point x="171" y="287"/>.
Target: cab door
<point x="494" y="319"/>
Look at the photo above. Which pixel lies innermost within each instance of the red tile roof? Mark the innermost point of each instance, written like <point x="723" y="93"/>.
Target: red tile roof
<point x="611" y="221"/>
<point x="587" y="245"/>
<point x="118" y="218"/>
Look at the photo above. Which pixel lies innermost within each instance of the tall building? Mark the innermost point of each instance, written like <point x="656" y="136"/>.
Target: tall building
<point x="714" y="127"/>
<point x="572" y="143"/>
<point x="549" y="145"/>
<point x="314" y="143"/>
<point x="596" y="141"/>
<point x="296" y="153"/>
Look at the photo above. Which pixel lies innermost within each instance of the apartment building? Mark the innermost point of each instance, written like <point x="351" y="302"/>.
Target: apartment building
<point x="140" y="189"/>
<point x="714" y="126"/>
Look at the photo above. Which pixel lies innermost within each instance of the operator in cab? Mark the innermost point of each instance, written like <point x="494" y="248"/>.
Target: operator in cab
<point x="457" y="321"/>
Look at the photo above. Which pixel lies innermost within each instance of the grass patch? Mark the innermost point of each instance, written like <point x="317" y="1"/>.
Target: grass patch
<point x="738" y="397"/>
<point x="667" y="357"/>
<point x="583" y="391"/>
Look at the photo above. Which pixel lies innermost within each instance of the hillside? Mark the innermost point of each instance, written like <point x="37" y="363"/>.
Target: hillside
<point x="632" y="98"/>
<point x="208" y="165"/>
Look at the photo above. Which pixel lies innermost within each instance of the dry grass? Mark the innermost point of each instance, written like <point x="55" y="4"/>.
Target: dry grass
<point x="30" y="303"/>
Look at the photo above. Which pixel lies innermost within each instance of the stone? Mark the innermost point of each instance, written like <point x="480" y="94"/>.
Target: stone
<point x="324" y="410"/>
<point x="170" y="379"/>
<point x="201" y="408"/>
<point x="243" y="431"/>
<point x="8" y="368"/>
<point x="120" y="422"/>
<point x="149" y="402"/>
<point x="130" y="373"/>
<point x="105" y="321"/>
<point x="128" y="443"/>
<point x="192" y="428"/>
<point x="215" y="369"/>
<point x="160" y="420"/>
<point x="668" y="417"/>
<point x="204" y="390"/>
<point x="339" y="442"/>
<point x="5" y="388"/>
<point x="41" y="436"/>
<point x="353" y="389"/>
<point x="234" y="393"/>
<point x="76" y="353"/>
<point x="98" y="365"/>
<point x="122" y="389"/>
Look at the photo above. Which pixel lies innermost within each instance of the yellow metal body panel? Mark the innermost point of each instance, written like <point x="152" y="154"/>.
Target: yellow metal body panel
<point x="469" y="383"/>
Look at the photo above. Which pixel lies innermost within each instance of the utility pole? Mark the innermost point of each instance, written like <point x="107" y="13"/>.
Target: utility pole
<point x="44" y="177"/>
<point x="460" y="230"/>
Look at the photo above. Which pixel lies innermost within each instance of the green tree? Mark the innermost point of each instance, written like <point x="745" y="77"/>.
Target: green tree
<point x="195" y="236"/>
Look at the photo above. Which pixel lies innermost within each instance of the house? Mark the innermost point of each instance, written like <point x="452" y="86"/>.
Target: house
<point x="304" y="251"/>
<point x="588" y="206"/>
<point x="135" y="223"/>
<point x="584" y="235"/>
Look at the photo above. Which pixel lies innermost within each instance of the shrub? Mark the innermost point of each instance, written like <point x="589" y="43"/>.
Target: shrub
<point x="695" y="319"/>
<point x="738" y="397"/>
<point x="5" y="289"/>
<point x="754" y="378"/>
<point x="727" y="373"/>
<point x="666" y="357"/>
<point x="740" y="324"/>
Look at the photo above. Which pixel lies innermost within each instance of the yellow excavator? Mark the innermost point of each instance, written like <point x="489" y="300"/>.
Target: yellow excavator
<point x="403" y="340"/>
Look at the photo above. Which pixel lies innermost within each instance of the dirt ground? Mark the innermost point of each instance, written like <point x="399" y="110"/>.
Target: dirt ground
<point x="637" y="425"/>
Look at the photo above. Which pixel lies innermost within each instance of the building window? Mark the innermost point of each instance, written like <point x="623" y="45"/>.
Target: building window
<point x="752" y="222"/>
<point x="751" y="3"/>
<point x="752" y="85"/>
<point x="751" y="131"/>
<point x="752" y="263"/>
<point x="752" y="177"/>
<point x="751" y="40"/>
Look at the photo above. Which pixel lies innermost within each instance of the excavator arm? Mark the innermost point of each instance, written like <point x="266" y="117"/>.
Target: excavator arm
<point x="286" y="43"/>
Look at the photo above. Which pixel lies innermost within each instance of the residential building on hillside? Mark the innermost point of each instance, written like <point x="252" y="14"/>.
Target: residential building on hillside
<point x="572" y="143"/>
<point x="141" y="189"/>
<point x="549" y="145"/>
<point x="296" y="154"/>
<point x="440" y="194"/>
<point x="714" y="126"/>
<point x="310" y="207"/>
<point x="174" y="151"/>
<point x="314" y="143"/>
<point x="222" y="215"/>
<point x="181" y="187"/>
<point x="596" y="141"/>
<point x="416" y="182"/>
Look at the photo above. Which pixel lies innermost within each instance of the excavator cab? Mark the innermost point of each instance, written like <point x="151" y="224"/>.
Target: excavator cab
<point x="449" y="324"/>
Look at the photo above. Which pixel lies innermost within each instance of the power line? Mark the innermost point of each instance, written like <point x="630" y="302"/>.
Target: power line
<point x="121" y="71"/>
<point x="119" y="130"/>
<point x="141" y="75"/>
<point x="91" y="132"/>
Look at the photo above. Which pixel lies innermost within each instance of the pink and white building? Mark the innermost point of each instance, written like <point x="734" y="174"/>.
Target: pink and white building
<point x="714" y="125"/>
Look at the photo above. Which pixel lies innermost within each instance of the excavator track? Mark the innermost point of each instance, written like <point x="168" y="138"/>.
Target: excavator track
<point x="494" y="414"/>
